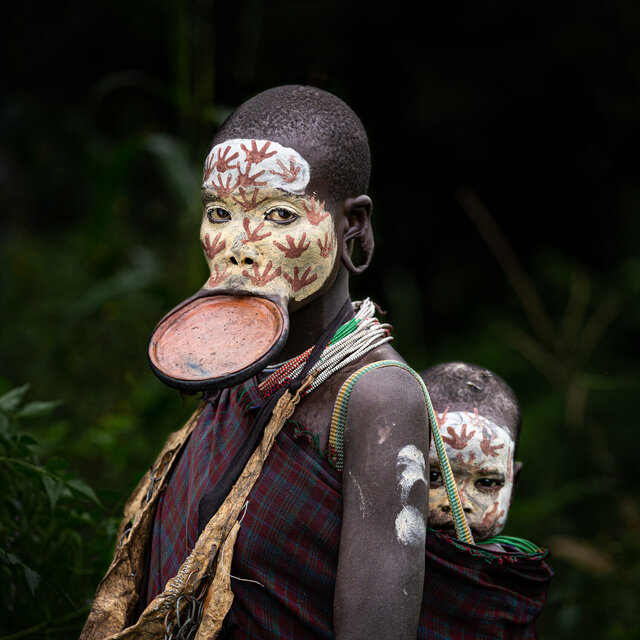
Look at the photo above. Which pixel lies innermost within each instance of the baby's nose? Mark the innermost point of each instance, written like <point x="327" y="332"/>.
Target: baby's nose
<point x="467" y="506"/>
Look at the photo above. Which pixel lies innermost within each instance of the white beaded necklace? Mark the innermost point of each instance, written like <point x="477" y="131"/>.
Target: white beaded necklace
<point x="352" y="340"/>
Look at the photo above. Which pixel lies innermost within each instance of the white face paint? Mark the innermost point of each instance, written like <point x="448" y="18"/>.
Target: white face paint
<point x="410" y="525"/>
<point x="260" y="232"/>
<point x="481" y="457"/>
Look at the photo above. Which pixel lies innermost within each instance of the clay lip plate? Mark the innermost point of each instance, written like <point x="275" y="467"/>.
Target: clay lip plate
<point x="216" y="341"/>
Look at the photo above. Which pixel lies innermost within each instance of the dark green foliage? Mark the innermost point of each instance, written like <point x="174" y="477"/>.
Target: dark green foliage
<point x="54" y="536"/>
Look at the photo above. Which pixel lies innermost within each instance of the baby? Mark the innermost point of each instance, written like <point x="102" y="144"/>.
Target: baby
<point x="479" y="421"/>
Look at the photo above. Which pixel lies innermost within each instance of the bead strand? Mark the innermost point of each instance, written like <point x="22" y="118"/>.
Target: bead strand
<point x="352" y="340"/>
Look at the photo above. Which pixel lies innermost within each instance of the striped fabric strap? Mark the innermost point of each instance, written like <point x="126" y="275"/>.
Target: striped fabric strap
<point x="336" y="440"/>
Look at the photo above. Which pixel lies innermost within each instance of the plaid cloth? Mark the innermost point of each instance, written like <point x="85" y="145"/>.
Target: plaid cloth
<point x="470" y="593"/>
<point x="211" y="447"/>
<point x="290" y="533"/>
<point x="289" y="541"/>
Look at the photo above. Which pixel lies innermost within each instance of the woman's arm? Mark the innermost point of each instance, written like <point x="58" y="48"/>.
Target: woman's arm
<point x="385" y="492"/>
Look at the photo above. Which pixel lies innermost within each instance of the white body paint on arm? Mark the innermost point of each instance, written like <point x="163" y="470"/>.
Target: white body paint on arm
<point x="410" y="525"/>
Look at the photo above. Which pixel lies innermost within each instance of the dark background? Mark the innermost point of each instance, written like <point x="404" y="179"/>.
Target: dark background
<point x="505" y="160"/>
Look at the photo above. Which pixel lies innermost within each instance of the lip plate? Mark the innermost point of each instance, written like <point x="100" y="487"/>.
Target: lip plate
<point x="214" y="340"/>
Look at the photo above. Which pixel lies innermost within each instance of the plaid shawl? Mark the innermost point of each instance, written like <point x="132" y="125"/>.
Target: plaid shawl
<point x="290" y="535"/>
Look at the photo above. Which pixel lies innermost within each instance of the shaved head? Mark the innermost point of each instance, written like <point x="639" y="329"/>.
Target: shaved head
<point x="461" y="386"/>
<point x="321" y="127"/>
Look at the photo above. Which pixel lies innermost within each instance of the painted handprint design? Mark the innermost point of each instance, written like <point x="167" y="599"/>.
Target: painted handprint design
<point x="481" y="457"/>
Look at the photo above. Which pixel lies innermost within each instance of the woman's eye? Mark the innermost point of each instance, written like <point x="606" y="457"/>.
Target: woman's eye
<point x="489" y="483"/>
<point x="218" y="214"/>
<point x="281" y="216"/>
<point x="435" y="478"/>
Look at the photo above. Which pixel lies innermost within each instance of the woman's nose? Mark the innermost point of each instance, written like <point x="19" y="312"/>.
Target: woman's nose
<point x="241" y="254"/>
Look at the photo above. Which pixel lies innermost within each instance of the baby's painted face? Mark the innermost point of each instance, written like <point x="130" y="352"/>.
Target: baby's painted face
<point x="261" y="232"/>
<point x="481" y="457"/>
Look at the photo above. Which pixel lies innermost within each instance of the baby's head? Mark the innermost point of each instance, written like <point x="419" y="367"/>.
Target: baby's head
<point x="286" y="170"/>
<point x="479" y="421"/>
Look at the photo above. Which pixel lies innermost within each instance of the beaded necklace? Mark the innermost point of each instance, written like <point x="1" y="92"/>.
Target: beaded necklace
<point x="353" y="339"/>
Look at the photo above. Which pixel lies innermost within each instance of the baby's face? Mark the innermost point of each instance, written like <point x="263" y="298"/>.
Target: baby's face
<point x="262" y="232"/>
<point x="481" y="457"/>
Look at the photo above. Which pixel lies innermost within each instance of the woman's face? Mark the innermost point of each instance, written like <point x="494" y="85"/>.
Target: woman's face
<point x="262" y="232"/>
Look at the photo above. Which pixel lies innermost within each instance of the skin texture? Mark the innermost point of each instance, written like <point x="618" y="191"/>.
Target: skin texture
<point x="481" y="457"/>
<point x="380" y="597"/>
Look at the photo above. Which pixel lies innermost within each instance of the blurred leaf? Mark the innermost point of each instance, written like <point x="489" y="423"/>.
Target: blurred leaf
<point x="26" y="439"/>
<point x="32" y="577"/>
<point x="56" y="464"/>
<point x="39" y="408"/>
<point x="54" y="489"/>
<point x="11" y="400"/>
<point x="142" y="271"/>
<point x="181" y="176"/>
<point x="81" y="487"/>
<point x="9" y="558"/>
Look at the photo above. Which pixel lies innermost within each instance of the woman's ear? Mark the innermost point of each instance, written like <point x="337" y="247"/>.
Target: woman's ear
<point x="357" y="218"/>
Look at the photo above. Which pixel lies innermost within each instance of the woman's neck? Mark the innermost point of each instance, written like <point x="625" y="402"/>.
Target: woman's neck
<point x="309" y="322"/>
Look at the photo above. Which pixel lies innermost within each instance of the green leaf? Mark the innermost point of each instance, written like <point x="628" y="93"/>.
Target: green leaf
<point x="9" y="558"/>
<point x="182" y="176"/>
<point x="11" y="400"/>
<point x="28" y="440"/>
<point x="56" y="465"/>
<point x="54" y="489"/>
<point x="38" y="408"/>
<point x="81" y="487"/>
<point x="32" y="577"/>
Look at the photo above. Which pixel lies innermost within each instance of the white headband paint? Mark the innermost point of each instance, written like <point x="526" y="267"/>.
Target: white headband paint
<point x="255" y="163"/>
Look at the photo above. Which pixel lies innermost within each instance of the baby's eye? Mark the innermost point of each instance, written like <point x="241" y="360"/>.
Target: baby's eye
<point x="435" y="479"/>
<point x="489" y="483"/>
<point x="281" y="216"/>
<point x="218" y="214"/>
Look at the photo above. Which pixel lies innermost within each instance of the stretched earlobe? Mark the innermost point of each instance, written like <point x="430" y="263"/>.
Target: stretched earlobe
<point x="357" y="212"/>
